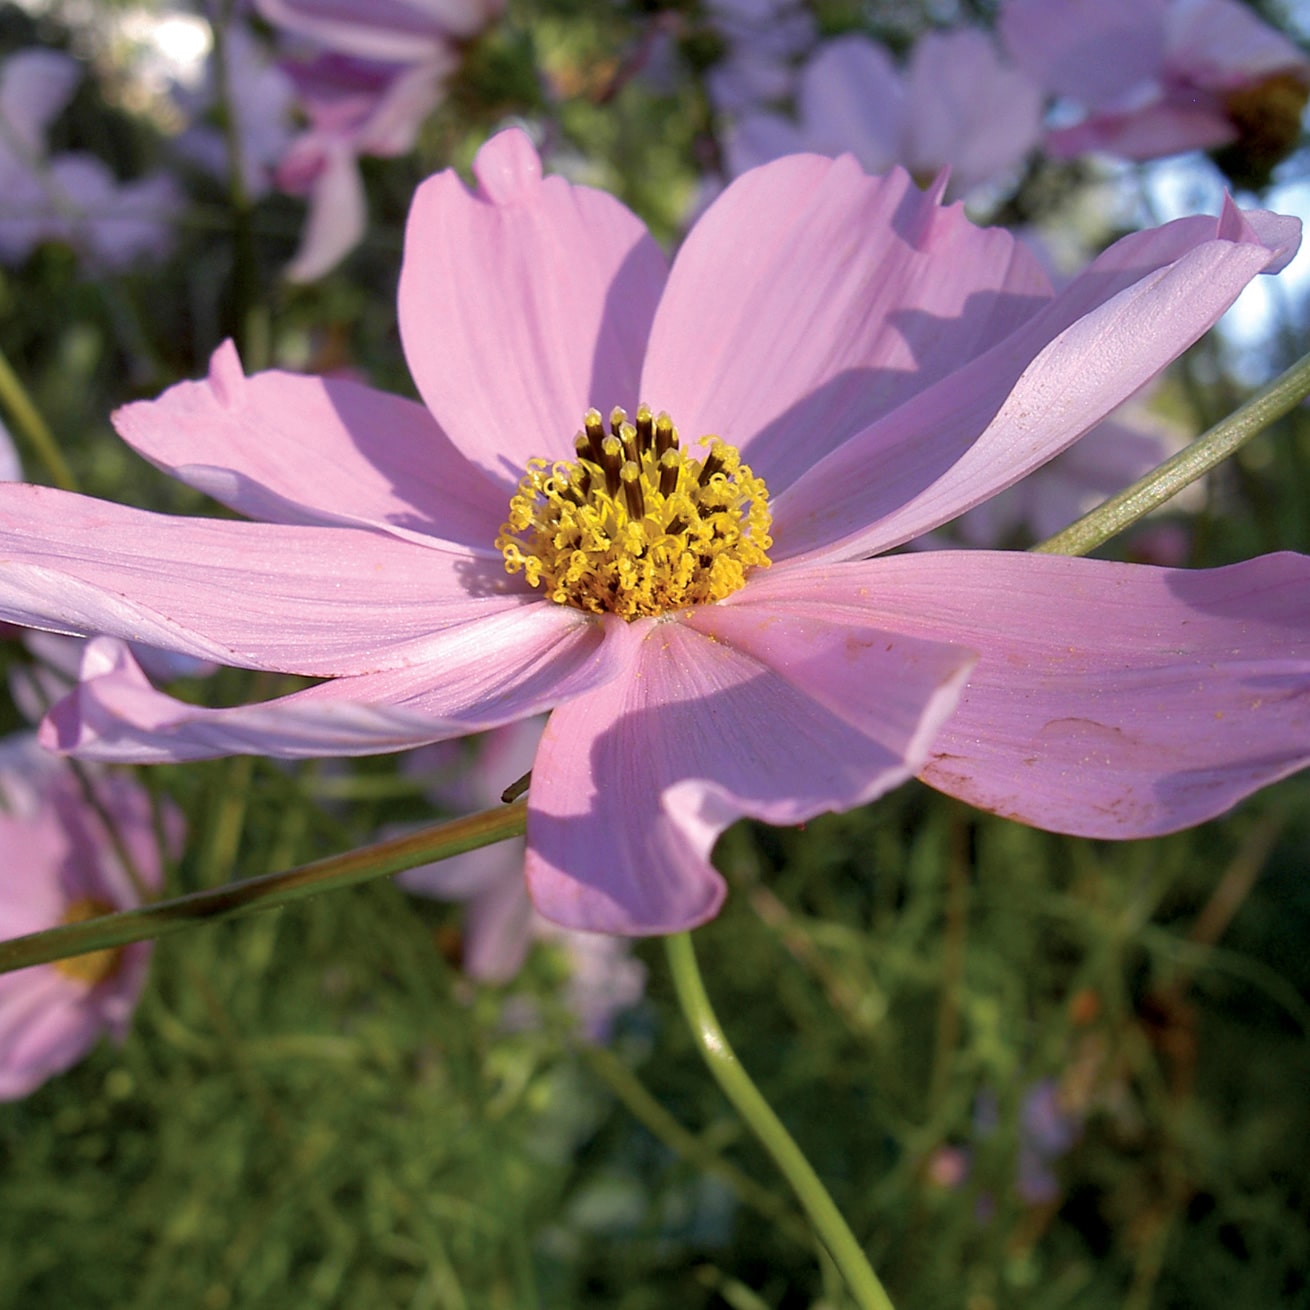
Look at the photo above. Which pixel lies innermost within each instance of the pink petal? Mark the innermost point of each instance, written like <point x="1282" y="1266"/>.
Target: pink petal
<point x="522" y="305"/>
<point x="293" y="449"/>
<point x="779" y="717"/>
<point x="1153" y="132"/>
<point x="1138" y="306"/>
<point x="968" y="111"/>
<point x="1098" y="52"/>
<point x="513" y="666"/>
<point x="312" y="600"/>
<point x="337" y="218"/>
<point x="44" y="1028"/>
<point x="1109" y="700"/>
<point x="810" y="299"/>
<point x="851" y="98"/>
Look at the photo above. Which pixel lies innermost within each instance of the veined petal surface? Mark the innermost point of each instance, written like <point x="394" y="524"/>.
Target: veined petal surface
<point x="522" y="305"/>
<point x="634" y="782"/>
<point x="320" y="601"/>
<point x="1109" y="700"/>
<point x="810" y="299"/>
<point x="292" y="449"/>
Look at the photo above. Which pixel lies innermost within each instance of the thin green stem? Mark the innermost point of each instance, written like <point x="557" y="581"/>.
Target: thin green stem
<point x="27" y="418"/>
<point x="1282" y="395"/>
<point x="268" y="892"/>
<point x="832" y="1229"/>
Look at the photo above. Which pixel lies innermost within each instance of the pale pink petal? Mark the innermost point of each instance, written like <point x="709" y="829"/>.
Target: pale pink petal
<point x="1222" y="45"/>
<point x="851" y="98"/>
<point x="1109" y="700"/>
<point x="312" y="600"/>
<point x="481" y="676"/>
<point x="1098" y="52"/>
<point x="634" y="782"/>
<point x="967" y="111"/>
<point x="401" y="31"/>
<point x="393" y="126"/>
<point x="337" y="218"/>
<point x="44" y="1028"/>
<point x="293" y="449"/>
<point x="810" y="299"/>
<point x="522" y="305"/>
<point x="1137" y="307"/>
<point x="498" y="927"/>
<point x="1155" y="132"/>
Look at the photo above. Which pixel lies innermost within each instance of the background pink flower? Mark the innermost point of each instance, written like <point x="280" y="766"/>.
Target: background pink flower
<point x="500" y="923"/>
<point x="956" y="105"/>
<point x="1156" y="77"/>
<point x="60" y="866"/>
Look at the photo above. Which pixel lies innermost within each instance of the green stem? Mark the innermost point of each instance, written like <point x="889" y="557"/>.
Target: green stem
<point x="268" y="892"/>
<point x="1282" y="395"/>
<point x="758" y="1114"/>
<point x="27" y="418"/>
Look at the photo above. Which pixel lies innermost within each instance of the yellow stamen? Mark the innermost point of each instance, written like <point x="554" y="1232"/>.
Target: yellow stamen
<point x="95" y="966"/>
<point x="635" y="526"/>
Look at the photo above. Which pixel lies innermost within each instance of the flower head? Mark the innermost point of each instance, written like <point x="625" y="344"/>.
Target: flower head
<point x="61" y="865"/>
<point x="879" y="365"/>
<point x="1157" y="77"/>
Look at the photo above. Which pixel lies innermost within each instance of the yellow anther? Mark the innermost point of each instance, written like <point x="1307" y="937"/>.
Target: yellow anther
<point x="635" y="526"/>
<point x="95" y="966"/>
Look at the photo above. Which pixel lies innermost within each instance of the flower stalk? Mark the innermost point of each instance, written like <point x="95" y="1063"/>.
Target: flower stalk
<point x="1209" y="450"/>
<point x="736" y="1083"/>
<point x="268" y="892"/>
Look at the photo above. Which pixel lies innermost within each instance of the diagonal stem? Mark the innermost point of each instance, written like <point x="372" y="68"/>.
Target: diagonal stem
<point x="736" y="1083"/>
<point x="1268" y="404"/>
<point x="267" y="892"/>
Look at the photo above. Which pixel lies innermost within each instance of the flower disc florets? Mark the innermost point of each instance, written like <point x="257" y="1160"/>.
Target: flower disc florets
<point x="635" y="526"/>
<point x="94" y="966"/>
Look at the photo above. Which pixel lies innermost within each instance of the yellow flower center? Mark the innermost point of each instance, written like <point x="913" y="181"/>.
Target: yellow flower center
<point x="1268" y="116"/>
<point x="95" y="966"/>
<point x="635" y="526"/>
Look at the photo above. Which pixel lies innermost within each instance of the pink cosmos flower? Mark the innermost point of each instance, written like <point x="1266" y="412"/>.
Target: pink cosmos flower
<point x="870" y="364"/>
<point x="500" y="923"/>
<point x="60" y="866"/>
<point x="354" y="108"/>
<point x="956" y="106"/>
<point x="1157" y="77"/>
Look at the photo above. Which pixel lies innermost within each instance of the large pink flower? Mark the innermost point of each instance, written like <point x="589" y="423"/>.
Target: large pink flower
<point x="879" y="362"/>
<point x="60" y="866"/>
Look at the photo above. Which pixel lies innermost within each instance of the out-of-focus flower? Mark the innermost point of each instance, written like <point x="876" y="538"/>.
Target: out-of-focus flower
<point x="354" y="108"/>
<point x="500" y="923"/>
<point x="763" y="39"/>
<point x="956" y="106"/>
<point x="390" y="31"/>
<point x="375" y="71"/>
<point x="73" y="198"/>
<point x="1156" y="77"/>
<point x="61" y="865"/>
<point x="705" y="618"/>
